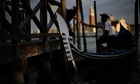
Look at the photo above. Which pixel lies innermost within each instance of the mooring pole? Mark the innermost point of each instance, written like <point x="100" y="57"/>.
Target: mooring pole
<point x="83" y="28"/>
<point x="65" y="60"/>
<point x="96" y="24"/>
<point x="63" y="9"/>
<point x="78" y="24"/>
<point x="136" y="32"/>
<point x="74" y="30"/>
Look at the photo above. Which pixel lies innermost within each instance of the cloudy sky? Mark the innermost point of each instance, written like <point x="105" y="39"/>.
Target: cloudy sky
<point x="117" y="8"/>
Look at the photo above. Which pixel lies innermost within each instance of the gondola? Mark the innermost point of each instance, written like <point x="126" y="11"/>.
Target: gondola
<point x="101" y="66"/>
<point x="119" y="62"/>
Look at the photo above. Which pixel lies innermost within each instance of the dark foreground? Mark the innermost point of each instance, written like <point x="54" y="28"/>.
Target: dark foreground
<point x="125" y="75"/>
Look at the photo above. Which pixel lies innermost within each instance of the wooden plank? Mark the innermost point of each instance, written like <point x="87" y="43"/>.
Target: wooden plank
<point x="29" y="36"/>
<point x="8" y="36"/>
<point x="55" y="35"/>
<point x="33" y="42"/>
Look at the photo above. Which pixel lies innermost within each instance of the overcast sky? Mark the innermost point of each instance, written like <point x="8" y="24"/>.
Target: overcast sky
<point x="117" y="8"/>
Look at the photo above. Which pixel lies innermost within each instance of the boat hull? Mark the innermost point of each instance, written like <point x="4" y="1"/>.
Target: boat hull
<point x="101" y="69"/>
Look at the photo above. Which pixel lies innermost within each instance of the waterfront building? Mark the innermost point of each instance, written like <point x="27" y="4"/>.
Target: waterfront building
<point x="91" y="19"/>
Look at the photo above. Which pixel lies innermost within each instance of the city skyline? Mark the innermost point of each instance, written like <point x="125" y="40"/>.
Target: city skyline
<point x="117" y="8"/>
<point x="121" y="8"/>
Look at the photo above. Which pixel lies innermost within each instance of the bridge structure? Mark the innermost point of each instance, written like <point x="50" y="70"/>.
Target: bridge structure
<point x="18" y="43"/>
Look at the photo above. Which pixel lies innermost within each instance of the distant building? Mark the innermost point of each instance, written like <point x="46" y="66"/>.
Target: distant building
<point x="132" y="27"/>
<point x="53" y="30"/>
<point x="91" y="19"/>
<point x="91" y="15"/>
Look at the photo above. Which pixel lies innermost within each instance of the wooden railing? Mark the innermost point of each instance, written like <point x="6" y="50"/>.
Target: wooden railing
<point x="16" y="19"/>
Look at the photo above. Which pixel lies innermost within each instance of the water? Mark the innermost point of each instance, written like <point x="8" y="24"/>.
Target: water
<point x="90" y="42"/>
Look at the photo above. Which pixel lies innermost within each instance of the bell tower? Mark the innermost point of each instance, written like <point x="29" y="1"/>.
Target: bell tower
<point x="91" y="17"/>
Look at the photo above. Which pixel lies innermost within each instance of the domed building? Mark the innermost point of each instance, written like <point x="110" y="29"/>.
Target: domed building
<point x="111" y="18"/>
<point x="116" y="24"/>
<point x="124" y="24"/>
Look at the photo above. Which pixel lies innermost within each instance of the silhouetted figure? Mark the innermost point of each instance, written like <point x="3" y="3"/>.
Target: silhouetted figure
<point x="70" y="13"/>
<point x="107" y="35"/>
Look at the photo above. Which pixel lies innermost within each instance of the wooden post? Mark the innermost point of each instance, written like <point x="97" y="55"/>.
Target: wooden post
<point x="136" y="30"/>
<point x="43" y="20"/>
<point x="17" y="66"/>
<point x="64" y="57"/>
<point x="28" y="27"/>
<point x="44" y="70"/>
<point x="78" y="24"/>
<point x="63" y="9"/>
<point x="83" y="28"/>
<point x="74" y="30"/>
<point x="96" y="24"/>
<point x="136" y="21"/>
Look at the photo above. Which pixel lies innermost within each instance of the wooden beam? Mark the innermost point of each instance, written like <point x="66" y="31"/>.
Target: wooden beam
<point x="8" y="10"/>
<point x="43" y="20"/>
<point x="50" y="24"/>
<point x="54" y="2"/>
<point x="55" y="35"/>
<point x="29" y="36"/>
<point x="6" y="24"/>
<point x="32" y="13"/>
<point x="15" y="17"/>
<point x="43" y="16"/>
<point x="28" y="26"/>
<point x="8" y="37"/>
<point x="52" y="15"/>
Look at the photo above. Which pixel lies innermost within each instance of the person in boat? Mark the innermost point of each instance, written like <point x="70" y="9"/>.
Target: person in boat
<point x="108" y="33"/>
